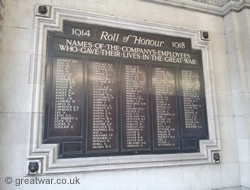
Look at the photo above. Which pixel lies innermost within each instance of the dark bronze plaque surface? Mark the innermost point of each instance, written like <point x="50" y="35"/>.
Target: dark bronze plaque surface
<point x="112" y="91"/>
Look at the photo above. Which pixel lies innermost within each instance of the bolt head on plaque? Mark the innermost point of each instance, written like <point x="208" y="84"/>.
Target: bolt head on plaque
<point x="33" y="167"/>
<point x="42" y="10"/>
<point x="205" y="35"/>
<point x="216" y="157"/>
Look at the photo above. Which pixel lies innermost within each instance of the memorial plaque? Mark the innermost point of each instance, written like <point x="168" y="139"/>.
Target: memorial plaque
<point x="102" y="133"/>
<point x="193" y="110"/>
<point x="67" y="86"/>
<point x="135" y="129"/>
<point x="164" y="101"/>
<point x="112" y="91"/>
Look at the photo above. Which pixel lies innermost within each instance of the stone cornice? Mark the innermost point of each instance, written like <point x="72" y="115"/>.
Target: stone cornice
<point x="214" y="7"/>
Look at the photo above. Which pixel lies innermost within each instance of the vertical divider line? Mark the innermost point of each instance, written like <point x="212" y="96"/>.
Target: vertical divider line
<point x="150" y="117"/>
<point x="87" y="62"/>
<point x="118" y="106"/>
<point x="178" y="111"/>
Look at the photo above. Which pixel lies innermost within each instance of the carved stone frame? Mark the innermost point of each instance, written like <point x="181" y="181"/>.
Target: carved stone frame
<point x="47" y="154"/>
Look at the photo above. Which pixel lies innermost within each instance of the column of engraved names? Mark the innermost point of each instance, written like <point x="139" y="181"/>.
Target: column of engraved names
<point x="103" y="119"/>
<point x="135" y="107"/>
<point x="67" y="110"/>
<point x="164" y="103"/>
<point x="191" y="99"/>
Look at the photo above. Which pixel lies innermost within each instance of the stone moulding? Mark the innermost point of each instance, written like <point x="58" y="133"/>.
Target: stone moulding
<point x="214" y="7"/>
<point x="46" y="154"/>
<point x="219" y="3"/>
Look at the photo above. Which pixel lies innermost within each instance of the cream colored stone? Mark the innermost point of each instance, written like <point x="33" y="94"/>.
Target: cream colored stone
<point x="14" y="63"/>
<point x="13" y="124"/>
<point x="245" y="174"/>
<point x="16" y="14"/>
<point x="229" y="150"/>
<point x="239" y="104"/>
<point x="222" y="82"/>
<point x="241" y="127"/>
<point x="244" y="150"/>
<point x="183" y="181"/>
<point x="17" y="41"/>
<point x="14" y="159"/>
<point x="15" y="97"/>
<point x="233" y="59"/>
<point x="220" y="62"/>
<point x="224" y="104"/>
<point x="246" y="59"/>
<point x="218" y="42"/>
<point x="229" y="23"/>
<point x="227" y="128"/>
<point x="238" y="82"/>
<point x="230" y="175"/>
<point x="234" y="41"/>
<point x="94" y="181"/>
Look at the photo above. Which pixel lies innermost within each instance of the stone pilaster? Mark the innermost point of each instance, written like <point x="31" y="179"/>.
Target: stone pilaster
<point x="237" y="33"/>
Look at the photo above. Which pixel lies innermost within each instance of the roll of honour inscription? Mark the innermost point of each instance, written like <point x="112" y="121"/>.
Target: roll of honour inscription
<point x="116" y="92"/>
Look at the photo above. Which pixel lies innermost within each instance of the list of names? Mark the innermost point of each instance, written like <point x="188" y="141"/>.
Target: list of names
<point x="102" y="107"/>
<point x="191" y="99"/>
<point x="135" y="107"/>
<point x="67" y="111"/>
<point x="164" y="101"/>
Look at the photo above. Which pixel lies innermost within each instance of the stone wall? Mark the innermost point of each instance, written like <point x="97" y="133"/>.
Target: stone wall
<point x="237" y="32"/>
<point x="230" y="70"/>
